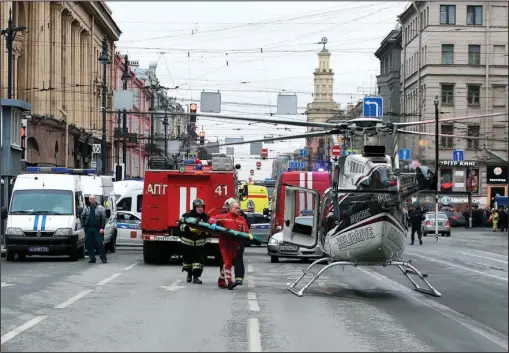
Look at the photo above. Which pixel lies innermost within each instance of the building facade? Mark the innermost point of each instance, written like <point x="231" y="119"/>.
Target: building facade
<point x="138" y="125"/>
<point x="322" y="108"/>
<point x="56" y="70"/>
<point x="458" y="52"/>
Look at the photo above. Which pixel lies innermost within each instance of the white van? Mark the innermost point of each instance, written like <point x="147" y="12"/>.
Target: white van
<point x="102" y="187"/>
<point x="44" y="214"/>
<point x="129" y="195"/>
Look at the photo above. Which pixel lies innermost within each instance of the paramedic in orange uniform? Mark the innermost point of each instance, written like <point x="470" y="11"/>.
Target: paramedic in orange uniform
<point x="227" y="244"/>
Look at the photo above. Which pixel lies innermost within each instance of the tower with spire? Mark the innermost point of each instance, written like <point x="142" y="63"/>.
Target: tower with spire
<point x="323" y="106"/>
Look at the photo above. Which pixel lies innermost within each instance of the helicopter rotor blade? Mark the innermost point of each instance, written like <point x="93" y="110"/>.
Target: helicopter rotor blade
<point x="279" y="138"/>
<point x="267" y="121"/>
<point x="456" y="136"/>
<point x="423" y="122"/>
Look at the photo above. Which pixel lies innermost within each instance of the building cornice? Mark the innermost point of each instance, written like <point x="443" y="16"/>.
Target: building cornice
<point x="103" y="15"/>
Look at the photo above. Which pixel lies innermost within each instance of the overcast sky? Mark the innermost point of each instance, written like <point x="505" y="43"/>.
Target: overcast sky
<point x="216" y="46"/>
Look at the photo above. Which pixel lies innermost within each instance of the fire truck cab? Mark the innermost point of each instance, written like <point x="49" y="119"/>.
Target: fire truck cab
<point x="168" y="194"/>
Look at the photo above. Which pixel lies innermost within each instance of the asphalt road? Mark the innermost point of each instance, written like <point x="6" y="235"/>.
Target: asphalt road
<point x="125" y="305"/>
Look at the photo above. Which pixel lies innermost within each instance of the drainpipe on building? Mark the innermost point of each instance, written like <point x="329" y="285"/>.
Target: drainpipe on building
<point x="403" y="43"/>
<point x="419" y="55"/>
<point x="487" y="78"/>
<point x="66" y="163"/>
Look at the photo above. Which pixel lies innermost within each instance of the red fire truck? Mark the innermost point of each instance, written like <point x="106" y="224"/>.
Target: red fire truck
<point x="168" y="194"/>
<point x="319" y="181"/>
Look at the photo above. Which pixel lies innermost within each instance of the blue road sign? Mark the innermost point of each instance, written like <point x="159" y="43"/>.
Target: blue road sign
<point x="458" y="155"/>
<point x="303" y="152"/>
<point x="301" y="165"/>
<point x="404" y="154"/>
<point x="373" y="107"/>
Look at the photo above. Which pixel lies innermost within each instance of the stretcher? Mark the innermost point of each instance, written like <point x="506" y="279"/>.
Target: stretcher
<point x="205" y="227"/>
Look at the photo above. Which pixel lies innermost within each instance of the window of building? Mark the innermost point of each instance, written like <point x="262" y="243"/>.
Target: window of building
<point x="448" y="94"/>
<point x="499" y="95"/>
<point x="499" y="57"/>
<point x="16" y="128"/>
<point x="474" y="131"/>
<point x="424" y="18"/>
<point x="447" y="14"/>
<point x="499" y="17"/>
<point x="446" y="141"/>
<point x="447" y="54"/>
<point x="474" y="93"/>
<point x="474" y="54"/>
<point x="446" y="180"/>
<point x="474" y="15"/>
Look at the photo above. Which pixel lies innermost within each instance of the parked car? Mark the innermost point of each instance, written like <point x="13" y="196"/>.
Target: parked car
<point x="129" y="228"/>
<point x="259" y="225"/>
<point x="456" y="219"/>
<point x="428" y="224"/>
<point x="276" y="248"/>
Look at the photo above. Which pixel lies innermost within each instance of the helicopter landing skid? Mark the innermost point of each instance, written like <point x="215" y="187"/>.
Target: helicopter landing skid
<point x="406" y="267"/>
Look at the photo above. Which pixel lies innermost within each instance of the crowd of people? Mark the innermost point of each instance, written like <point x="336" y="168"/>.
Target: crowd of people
<point x="496" y="218"/>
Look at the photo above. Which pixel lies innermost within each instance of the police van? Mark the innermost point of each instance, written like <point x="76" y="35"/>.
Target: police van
<point x="129" y="195"/>
<point x="44" y="214"/>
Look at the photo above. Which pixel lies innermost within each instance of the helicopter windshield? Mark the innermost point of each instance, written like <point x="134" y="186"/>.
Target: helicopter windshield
<point x="380" y="177"/>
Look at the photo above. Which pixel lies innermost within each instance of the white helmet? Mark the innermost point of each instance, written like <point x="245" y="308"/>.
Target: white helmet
<point x="228" y="202"/>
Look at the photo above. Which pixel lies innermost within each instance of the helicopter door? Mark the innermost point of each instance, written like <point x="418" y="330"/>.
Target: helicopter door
<point x="301" y="217"/>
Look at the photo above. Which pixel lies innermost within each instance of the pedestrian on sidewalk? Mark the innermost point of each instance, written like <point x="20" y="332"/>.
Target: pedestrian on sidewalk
<point x="93" y="219"/>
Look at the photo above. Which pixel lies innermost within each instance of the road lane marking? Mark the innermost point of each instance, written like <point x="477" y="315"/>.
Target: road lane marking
<point x="173" y="287"/>
<point x="130" y="267"/>
<point x="465" y="321"/>
<point x="250" y="268"/>
<point x="254" y="336"/>
<point x="10" y="335"/>
<point x="252" y="302"/>
<point x="73" y="299"/>
<point x="6" y="284"/>
<point x="484" y="257"/>
<point x="458" y="266"/>
<point x="250" y="283"/>
<point x="106" y="280"/>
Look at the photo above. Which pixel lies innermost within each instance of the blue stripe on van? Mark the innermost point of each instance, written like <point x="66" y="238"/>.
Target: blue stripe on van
<point x="36" y="222"/>
<point x="43" y="225"/>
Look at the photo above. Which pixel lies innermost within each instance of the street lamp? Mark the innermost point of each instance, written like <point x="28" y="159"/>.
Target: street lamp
<point x="437" y="187"/>
<point x="126" y="76"/>
<point x="105" y="60"/>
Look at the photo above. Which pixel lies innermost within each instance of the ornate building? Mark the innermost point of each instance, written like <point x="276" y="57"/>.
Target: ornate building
<point x="56" y="69"/>
<point x="323" y="107"/>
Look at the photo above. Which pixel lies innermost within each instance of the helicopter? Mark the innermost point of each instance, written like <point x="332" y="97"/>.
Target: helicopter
<point x="357" y="221"/>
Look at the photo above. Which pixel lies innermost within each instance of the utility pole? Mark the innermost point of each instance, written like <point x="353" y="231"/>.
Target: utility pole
<point x="437" y="187"/>
<point x="10" y="34"/>
<point x="105" y="60"/>
<point x="165" y="123"/>
<point x="126" y="76"/>
<point x="152" y="107"/>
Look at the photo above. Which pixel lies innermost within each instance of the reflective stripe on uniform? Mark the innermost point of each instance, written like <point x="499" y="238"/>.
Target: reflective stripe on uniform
<point x="190" y="242"/>
<point x="185" y="266"/>
<point x="239" y="278"/>
<point x="197" y="266"/>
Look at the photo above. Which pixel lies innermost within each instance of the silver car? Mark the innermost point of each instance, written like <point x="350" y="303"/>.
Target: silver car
<point x="276" y="248"/>
<point x="259" y="226"/>
<point x="428" y="224"/>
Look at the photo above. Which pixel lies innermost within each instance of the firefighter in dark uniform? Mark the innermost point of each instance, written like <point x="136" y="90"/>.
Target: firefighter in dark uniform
<point x="416" y="216"/>
<point x="239" y="267"/>
<point x="193" y="243"/>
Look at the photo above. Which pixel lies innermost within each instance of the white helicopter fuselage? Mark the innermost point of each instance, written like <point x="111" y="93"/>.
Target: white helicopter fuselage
<point x="368" y="230"/>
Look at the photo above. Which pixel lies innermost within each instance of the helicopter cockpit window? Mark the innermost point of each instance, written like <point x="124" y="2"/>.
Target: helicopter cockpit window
<point x="382" y="178"/>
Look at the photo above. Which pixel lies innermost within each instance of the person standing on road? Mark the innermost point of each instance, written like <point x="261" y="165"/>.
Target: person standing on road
<point x="239" y="267"/>
<point x="193" y="243"/>
<point x="502" y="219"/>
<point x="228" y="245"/>
<point x="416" y="219"/>
<point x="93" y="219"/>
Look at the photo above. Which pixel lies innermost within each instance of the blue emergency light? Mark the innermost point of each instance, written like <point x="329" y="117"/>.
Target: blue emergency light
<point x="306" y="212"/>
<point x="138" y="179"/>
<point x="61" y="170"/>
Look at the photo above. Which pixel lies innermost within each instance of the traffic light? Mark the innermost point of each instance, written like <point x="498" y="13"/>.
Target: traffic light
<point x="23" y="142"/>
<point x="192" y="111"/>
<point x="202" y="138"/>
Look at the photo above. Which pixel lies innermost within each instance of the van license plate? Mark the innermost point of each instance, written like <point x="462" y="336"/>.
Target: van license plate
<point x="288" y="248"/>
<point x="38" y="249"/>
